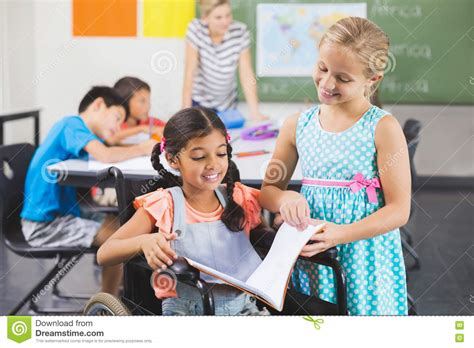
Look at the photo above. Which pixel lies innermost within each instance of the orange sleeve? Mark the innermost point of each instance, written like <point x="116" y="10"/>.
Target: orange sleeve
<point x="247" y="198"/>
<point x="159" y="205"/>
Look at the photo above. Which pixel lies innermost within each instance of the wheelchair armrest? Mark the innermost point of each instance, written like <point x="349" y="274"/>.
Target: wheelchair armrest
<point x="262" y="237"/>
<point x="184" y="271"/>
<point x="180" y="268"/>
<point x="329" y="258"/>
<point x="329" y="254"/>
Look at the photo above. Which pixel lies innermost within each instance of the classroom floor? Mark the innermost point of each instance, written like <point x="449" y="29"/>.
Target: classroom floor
<point x="442" y="229"/>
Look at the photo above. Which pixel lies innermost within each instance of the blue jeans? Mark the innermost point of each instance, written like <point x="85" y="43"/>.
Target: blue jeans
<point x="227" y="301"/>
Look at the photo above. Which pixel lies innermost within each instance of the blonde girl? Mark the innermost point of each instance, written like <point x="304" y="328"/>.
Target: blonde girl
<point x="356" y="173"/>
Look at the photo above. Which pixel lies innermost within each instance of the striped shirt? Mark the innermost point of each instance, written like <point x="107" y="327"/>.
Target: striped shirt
<point x="215" y="84"/>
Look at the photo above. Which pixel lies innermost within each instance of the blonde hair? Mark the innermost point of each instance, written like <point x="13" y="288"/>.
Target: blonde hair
<point x="207" y="6"/>
<point x="366" y="40"/>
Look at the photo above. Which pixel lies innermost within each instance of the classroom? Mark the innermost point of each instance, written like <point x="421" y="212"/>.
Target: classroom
<point x="330" y="142"/>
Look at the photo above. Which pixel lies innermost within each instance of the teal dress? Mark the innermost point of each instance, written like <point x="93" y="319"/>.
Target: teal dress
<point x="375" y="269"/>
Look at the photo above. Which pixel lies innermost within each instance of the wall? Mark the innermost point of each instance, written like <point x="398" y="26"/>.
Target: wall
<point x="43" y="65"/>
<point x="17" y="64"/>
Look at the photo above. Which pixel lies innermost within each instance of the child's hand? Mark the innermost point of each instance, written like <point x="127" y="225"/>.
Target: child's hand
<point x="295" y="212"/>
<point x="277" y="222"/>
<point x="147" y="146"/>
<point x="327" y="237"/>
<point x="157" y="250"/>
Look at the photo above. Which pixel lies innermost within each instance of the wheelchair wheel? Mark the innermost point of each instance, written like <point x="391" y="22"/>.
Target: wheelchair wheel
<point x="105" y="304"/>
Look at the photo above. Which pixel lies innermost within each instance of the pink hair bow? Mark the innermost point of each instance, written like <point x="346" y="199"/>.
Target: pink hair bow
<point x="163" y="144"/>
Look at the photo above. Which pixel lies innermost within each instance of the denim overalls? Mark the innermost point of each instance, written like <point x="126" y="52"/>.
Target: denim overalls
<point x="214" y="245"/>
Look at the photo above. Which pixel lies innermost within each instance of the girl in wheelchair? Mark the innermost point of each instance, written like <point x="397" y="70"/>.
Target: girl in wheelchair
<point x="203" y="213"/>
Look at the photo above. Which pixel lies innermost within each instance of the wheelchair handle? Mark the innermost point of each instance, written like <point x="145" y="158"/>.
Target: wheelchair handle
<point x="104" y="174"/>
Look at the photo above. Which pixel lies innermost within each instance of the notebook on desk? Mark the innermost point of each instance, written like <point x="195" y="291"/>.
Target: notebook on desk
<point x="142" y="163"/>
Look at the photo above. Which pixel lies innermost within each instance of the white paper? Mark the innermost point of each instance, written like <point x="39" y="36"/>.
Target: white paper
<point x="138" y="163"/>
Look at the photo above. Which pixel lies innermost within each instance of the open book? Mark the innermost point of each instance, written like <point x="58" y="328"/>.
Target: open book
<point x="270" y="279"/>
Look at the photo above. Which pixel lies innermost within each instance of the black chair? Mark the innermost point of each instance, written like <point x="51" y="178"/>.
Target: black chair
<point x="139" y="297"/>
<point x="15" y="160"/>
<point x="411" y="129"/>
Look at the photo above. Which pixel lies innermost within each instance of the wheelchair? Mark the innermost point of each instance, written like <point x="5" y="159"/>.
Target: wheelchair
<point x="138" y="297"/>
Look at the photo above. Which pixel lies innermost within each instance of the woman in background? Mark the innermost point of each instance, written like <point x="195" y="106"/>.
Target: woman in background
<point x="215" y="46"/>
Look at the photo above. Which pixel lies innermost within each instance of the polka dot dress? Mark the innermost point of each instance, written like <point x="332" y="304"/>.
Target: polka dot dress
<point x="375" y="269"/>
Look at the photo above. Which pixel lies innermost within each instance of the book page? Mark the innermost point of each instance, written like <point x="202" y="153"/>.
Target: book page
<point x="138" y="163"/>
<point x="222" y="276"/>
<point x="271" y="277"/>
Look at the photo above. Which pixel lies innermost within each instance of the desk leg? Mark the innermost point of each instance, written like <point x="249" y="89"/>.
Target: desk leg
<point x="36" y="130"/>
<point x="1" y="132"/>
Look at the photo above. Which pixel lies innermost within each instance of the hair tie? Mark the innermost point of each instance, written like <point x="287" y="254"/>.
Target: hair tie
<point x="228" y="137"/>
<point x="163" y="144"/>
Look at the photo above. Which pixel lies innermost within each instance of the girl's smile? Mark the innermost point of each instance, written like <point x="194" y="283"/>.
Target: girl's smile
<point x="212" y="178"/>
<point x="327" y="95"/>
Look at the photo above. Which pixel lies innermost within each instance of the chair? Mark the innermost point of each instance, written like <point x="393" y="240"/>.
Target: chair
<point x="15" y="160"/>
<point x="411" y="130"/>
<point x="139" y="297"/>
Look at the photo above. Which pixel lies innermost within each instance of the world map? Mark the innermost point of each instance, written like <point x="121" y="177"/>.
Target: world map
<point x="288" y="35"/>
